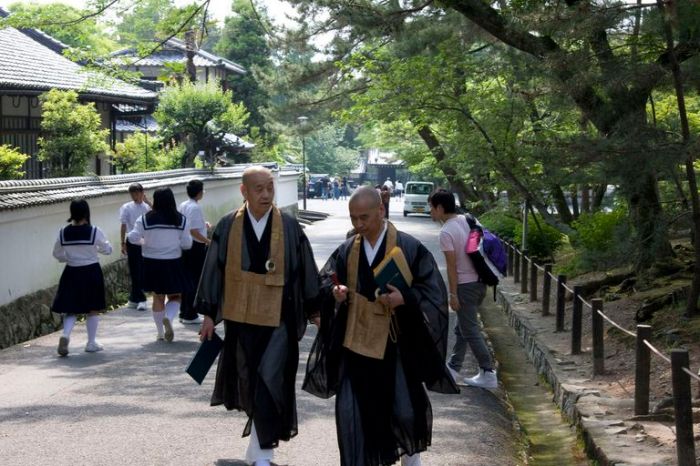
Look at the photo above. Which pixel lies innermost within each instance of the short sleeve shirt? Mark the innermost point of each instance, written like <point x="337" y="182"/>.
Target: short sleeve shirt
<point x="130" y="212"/>
<point x="195" y="217"/>
<point x="453" y="237"/>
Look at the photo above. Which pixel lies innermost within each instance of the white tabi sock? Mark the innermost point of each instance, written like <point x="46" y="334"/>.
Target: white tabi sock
<point x="68" y="324"/>
<point x="158" y="319"/>
<point x="413" y="460"/>
<point x="92" y="322"/>
<point x="172" y="308"/>
<point x="256" y="455"/>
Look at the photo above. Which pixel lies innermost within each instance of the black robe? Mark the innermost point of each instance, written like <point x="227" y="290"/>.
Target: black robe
<point x="258" y="365"/>
<point x="382" y="409"/>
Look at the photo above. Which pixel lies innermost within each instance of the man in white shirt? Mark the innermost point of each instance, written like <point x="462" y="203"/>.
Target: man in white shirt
<point x="128" y="214"/>
<point x="388" y="183"/>
<point x="194" y="258"/>
<point x="398" y="188"/>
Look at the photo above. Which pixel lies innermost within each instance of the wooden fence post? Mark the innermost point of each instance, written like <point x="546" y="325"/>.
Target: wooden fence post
<point x="641" y="371"/>
<point x="523" y="272"/>
<point x="511" y="256"/>
<point x="576" y="321"/>
<point x="597" y="331"/>
<point x="546" y="289"/>
<point x="682" y="407"/>
<point x="561" y="302"/>
<point x="533" y="281"/>
<point x="516" y="266"/>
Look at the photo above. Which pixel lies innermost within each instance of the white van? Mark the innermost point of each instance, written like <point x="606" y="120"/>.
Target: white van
<point x="415" y="198"/>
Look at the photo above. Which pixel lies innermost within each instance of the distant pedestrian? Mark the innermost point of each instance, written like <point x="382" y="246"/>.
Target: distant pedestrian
<point x="81" y="289"/>
<point x="398" y="188"/>
<point x="128" y="213"/>
<point x="336" y="189"/>
<point x="163" y="233"/>
<point x="389" y="184"/>
<point x="194" y="257"/>
<point x="385" y="194"/>
<point x="466" y="292"/>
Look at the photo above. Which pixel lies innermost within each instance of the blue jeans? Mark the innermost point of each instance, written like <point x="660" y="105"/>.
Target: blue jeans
<point x="467" y="330"/>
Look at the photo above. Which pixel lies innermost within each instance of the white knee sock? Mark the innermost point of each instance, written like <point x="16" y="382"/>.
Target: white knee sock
<point x="158" y="319"/>
<point x="255" y="454"/>
<point x="172" y="308"/>
<point x="68" y="324"/>
<point x="92" y="322"/>
<point x="413" y="460"/>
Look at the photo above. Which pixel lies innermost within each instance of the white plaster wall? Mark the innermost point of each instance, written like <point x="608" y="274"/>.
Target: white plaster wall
<point x="27" y="235"/>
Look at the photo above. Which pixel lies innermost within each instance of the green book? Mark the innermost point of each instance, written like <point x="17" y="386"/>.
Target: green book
<point x="204" y="358"/>
<point x="393" y="270"/>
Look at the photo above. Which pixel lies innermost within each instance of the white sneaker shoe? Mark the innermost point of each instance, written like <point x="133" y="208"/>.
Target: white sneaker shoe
<point x="453" y="373"/>
<point x="169" y="333"/>
<point x="196" y="321"/>
<point x="484" y="379"/>
<point x="160" y="337"/>
<point x="141" y="306"/>
<point x="63" y="346"/>
<point x="93" y="347"/>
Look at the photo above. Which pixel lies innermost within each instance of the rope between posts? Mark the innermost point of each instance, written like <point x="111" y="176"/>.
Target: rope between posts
<point x="657" y="352"/>
<point x="541" y="268"/>
<point x="585" y="303"/>
<point x="687" y="371"/>
<point x="567" y="288"/>
<point x="616" y="325"/>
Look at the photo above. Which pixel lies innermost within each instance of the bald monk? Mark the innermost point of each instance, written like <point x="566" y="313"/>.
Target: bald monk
<point x="375" y="351"/>
<point x="261" y="280"/>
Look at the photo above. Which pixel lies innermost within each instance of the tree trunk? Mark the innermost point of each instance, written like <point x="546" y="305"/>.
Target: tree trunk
<point x="561" y="205"/>
<point x="645" y="212"/>
<point x="574" y="202"/>
<point x="586" y="199"/>
<point x="667" y="13"/>
<point x="599" y="191"/>
<point x="191" y="49"/>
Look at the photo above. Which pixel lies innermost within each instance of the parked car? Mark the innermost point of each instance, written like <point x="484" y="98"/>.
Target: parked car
<point x="311" y="191"/>
<point x="415" y="199"/>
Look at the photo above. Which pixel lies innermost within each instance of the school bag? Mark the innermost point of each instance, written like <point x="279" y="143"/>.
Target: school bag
<point x="486" y="253"/>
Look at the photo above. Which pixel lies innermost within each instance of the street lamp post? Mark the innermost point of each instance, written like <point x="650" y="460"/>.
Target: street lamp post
<point x="302" y="124"/>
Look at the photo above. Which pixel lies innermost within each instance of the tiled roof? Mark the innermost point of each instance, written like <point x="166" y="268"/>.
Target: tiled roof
<point x="20" y="194"/>
<point x="145" y="123"/>
<point x="174" y="51"/>
<point x="28" y="65"/>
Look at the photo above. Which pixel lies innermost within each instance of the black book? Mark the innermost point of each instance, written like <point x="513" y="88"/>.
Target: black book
<point x="204" y="358"/>
<point x="394" y="270"/>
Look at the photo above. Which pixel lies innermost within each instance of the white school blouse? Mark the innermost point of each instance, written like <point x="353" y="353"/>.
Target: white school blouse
<point x="130" y="212"/>
<point x="78" y="250"/>
<point x="158" y="239"/>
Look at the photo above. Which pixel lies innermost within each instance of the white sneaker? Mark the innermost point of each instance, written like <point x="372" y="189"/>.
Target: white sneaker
<point x="196" y="321"/>
<point x="160" y="337"/>
<point x="141" y="306"/>
<point x="262" y="463"/>
<point x="63" y="346"/>
<point x="131" y="304"/>
<point x="453" y="373"/>
<point x="413" y="460"/>
<point x="93" y="347"/>
<point x="169" y="333"/>
<point x="484" y="379"/>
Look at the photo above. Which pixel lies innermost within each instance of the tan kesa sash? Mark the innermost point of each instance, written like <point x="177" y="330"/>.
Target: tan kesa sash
<point x="254" y="298"/>
<point x="368" y="323"/>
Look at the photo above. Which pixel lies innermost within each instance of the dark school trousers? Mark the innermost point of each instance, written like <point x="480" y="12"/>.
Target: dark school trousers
<point x="194" y="262"/>
<point x="135" y="262"/>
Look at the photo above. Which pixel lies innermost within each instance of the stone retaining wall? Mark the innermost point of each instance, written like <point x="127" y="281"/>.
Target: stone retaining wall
<point x="30" y="316"/>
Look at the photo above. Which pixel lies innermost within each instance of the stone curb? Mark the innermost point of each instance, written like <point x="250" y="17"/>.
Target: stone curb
<point x="610" y="436"/>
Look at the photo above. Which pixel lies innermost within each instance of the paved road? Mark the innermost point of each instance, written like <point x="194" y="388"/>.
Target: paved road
<point x="133" y="404"/>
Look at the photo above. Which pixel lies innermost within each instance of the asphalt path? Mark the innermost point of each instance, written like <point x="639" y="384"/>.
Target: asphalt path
<point x="132" y="404"/>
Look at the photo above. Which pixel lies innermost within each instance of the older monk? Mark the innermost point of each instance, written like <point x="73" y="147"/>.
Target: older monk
<point x="375" y="350"/>
<point x="261" y="280"/>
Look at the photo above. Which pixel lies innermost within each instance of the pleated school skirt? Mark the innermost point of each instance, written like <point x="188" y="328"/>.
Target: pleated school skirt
<point x="80" y="290"/>
<point x="165" y="276"/>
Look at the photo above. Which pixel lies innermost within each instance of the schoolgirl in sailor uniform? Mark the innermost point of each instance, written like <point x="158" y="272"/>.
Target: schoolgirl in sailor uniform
<point x="81" y="289"/>
<point x="163" y="234"/>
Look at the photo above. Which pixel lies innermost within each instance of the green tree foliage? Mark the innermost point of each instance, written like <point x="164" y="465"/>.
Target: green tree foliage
<point x="243" y="40"/>
<point x="65" y="23"/>
<point x="142" y="152"/>
<point x="602" y="240"/>
<point x="140" y="24"/>
<point x="199" y="115"/>
<point x="326" y="154"/>
<point x="11" y="162"/>
<point x="71" y="133"/>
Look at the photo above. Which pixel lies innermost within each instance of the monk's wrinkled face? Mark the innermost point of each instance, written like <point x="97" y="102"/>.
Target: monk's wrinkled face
<point x="367" y="217"/>
<point x="259" y="191"/>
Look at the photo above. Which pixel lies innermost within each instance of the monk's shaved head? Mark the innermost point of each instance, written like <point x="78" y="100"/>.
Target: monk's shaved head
<point x="366" y="194"/>
<point x="252" y="172"/>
